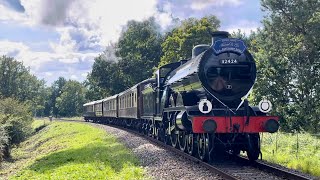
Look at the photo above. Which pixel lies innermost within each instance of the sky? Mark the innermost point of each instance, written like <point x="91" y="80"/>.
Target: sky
<point x="61" y="37"/>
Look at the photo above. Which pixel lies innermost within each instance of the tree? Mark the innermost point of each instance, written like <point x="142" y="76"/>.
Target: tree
<point x="108" y="75"/>
<point x="179" y="42"/>
<point x="71" y="99"/>
<point x="94" y="91"/>
<point x="130" y="61"/>
<point x="139" y="50"/>
<point x="17" y="81"/>
<point x="288" y="59"/>
<point x="15" y="123"/>
<point x="56" y="91"/>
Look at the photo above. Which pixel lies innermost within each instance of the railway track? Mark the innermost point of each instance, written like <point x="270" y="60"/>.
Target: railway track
<point x="231" y="168"/>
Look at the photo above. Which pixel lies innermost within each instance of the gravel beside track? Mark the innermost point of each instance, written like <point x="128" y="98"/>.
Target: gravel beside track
<point x="158" y="162"/>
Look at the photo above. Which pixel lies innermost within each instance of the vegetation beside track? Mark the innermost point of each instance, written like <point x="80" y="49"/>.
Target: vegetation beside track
<point x="296" y="151"/>
<point x="65" y="150"/>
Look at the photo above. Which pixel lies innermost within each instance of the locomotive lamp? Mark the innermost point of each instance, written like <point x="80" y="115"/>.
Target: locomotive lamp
<point x="265" y="106"/>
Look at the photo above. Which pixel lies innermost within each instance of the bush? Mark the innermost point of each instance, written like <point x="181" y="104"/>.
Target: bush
<point x="4" y="139"/>
<point x="15" y="121"/>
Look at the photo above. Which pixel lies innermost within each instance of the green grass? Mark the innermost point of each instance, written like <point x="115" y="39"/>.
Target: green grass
<point x="37" y="124"/>
<point x="64" y="150"/>
<point x="282" y="149"/>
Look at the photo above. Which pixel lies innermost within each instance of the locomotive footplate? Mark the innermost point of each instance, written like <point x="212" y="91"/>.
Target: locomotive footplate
<point x="221" y="124"/>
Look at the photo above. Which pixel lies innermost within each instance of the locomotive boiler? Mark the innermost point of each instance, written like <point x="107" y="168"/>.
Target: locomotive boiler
<point x="199" y="105"/>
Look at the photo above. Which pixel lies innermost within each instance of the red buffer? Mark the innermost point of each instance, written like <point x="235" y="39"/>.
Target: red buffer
<point x="235" y="124"/>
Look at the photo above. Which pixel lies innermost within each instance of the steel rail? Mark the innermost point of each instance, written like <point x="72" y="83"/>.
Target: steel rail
<point x="278" y="171"/>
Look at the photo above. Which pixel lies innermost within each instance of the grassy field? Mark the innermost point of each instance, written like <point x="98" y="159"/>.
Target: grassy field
<point x="63" y="150"/>
<point x="297" y="151"/>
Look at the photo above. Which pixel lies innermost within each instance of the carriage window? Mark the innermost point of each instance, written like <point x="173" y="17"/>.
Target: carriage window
<point x="135" y="99"/>
<point x="131" y="99"/>
<point x="126" y="101"/>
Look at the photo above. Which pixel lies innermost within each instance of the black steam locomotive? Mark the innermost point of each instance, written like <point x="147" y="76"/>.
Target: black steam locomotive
<point x="198" y="105"/>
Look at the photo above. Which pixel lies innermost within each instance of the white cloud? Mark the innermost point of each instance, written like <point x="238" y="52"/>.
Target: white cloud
<point x="46" y="64"/>
<point x="99" y="19"/>
<point x="202" y="4"/>
<point x="84" y="75"/>
<point x="85" y="29"/>
<point x="164" y="19"/>
<point x="90" y="25"/>
<point x="73" y="77"/>
<point x="245" y="26"/>
<point x="48" y="74"/>
<point x="6" y="14"/>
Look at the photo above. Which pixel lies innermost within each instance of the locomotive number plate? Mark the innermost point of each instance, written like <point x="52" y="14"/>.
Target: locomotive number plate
<point x="229" y="61"/>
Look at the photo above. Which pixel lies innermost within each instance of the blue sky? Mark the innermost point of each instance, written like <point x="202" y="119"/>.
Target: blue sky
<point x="62" y="37"/>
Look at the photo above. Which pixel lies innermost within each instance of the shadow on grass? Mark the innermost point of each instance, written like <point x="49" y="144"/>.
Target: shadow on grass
<point x="114" y="156"/>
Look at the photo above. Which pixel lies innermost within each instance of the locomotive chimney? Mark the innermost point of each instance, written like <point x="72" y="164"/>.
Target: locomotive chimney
<point x="219" y="35"/>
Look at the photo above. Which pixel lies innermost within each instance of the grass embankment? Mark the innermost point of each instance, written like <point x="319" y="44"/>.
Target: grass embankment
<point x="64" y="150"/>
<point x="300" y="152"/>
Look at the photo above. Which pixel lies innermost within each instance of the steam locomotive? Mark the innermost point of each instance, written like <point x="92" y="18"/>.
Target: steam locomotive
<point x="198" y="105"/>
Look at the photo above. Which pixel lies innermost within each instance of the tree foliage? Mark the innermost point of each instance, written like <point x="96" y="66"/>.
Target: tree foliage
<point x="71" y="99"/>
<point x="179" y="42"/>
<point x="139" y="49"/>
<point x="17" y="81"/>
<point x="288" y="58"/>
<point x="56" y="91"/>
<point x="15" y="123"/>
<point x="126" y="63"/>
<point x="108" y="75"/>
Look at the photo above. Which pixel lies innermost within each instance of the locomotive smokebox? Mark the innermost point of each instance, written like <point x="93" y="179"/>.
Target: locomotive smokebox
<point x="227" y="70"/>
